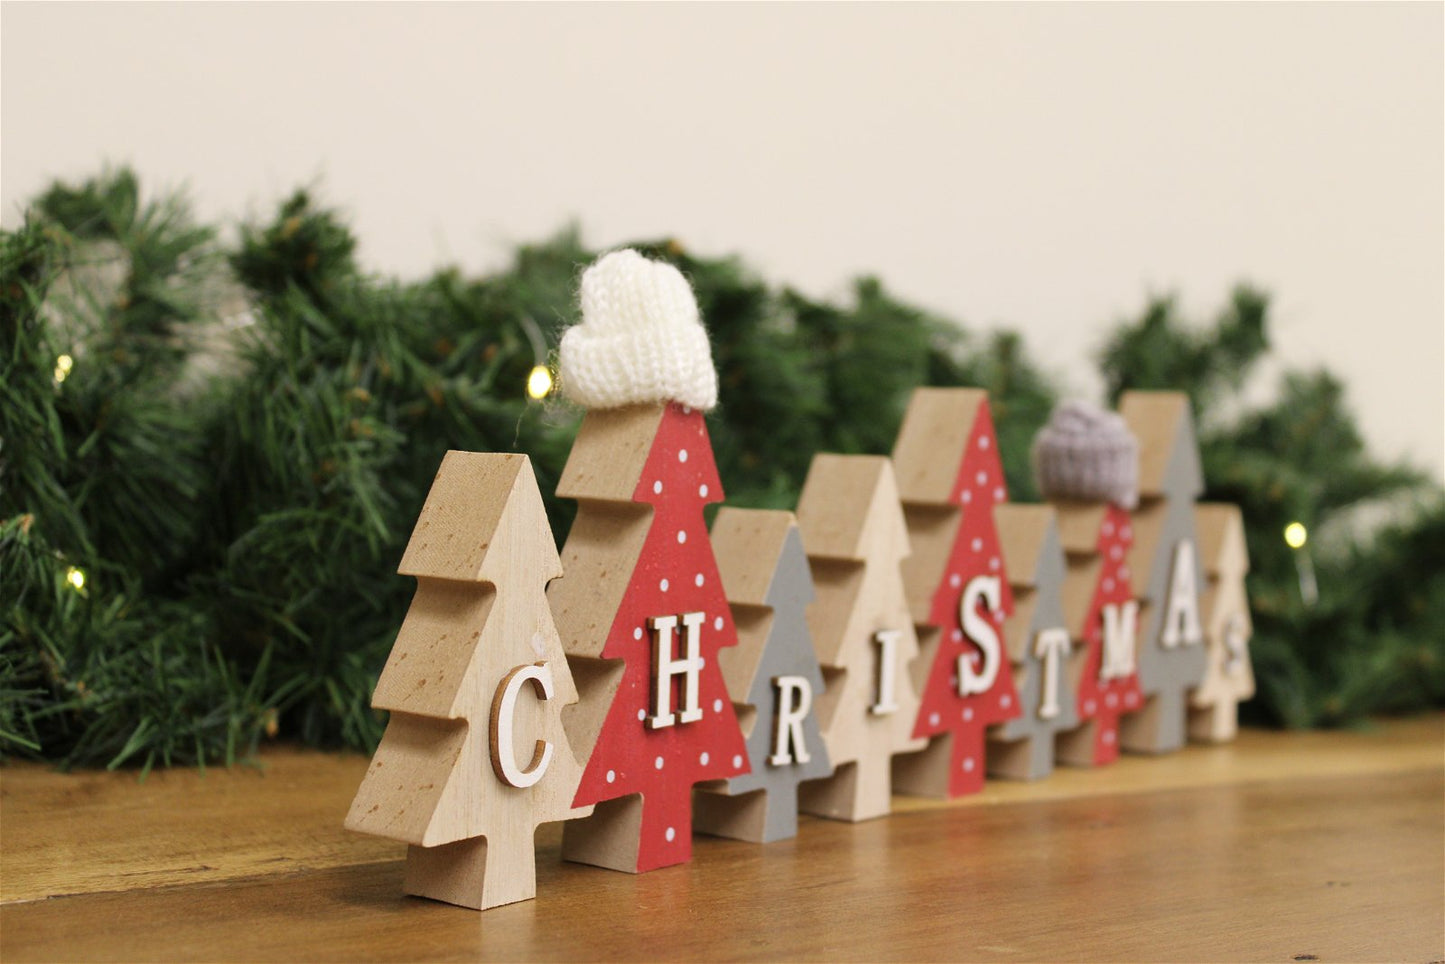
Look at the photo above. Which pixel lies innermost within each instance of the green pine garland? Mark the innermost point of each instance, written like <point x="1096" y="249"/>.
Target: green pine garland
<point x="211" y="459"/>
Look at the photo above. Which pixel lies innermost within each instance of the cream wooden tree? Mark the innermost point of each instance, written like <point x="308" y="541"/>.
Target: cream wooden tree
<point x="1229" y="677"/>
<point x="855" y="537"/>
<point x="474" y="756"/>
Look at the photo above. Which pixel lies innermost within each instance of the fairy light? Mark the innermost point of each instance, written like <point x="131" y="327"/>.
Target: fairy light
<point x="76" y="577"/>
<point x="1296" y="536"/>
<point x="539" y="379"/>
<point x="539" y="383"/>
<point x="63" y="365"/>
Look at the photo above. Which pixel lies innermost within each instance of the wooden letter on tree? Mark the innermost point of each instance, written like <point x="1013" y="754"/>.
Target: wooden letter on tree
<point x="855" y="537"/>
<point x="474" y="755"/>
<point x="1102" y="614"/>
<point x="1039" y="644"/>
<point x="643" y="615"/>
<point x="1165" y="563"/>
<point x="950" y="479"/>
<point x="772" y="674"/>
<point x="1229" y="678"/>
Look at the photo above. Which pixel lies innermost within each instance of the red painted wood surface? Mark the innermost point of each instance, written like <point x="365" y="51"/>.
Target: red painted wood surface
<point x="976" y="552"/>
<point x="1105" y="701"/>
<point x="676" y="574"/>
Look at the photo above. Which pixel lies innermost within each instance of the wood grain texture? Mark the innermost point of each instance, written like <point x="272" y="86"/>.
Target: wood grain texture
<point x="856" y="537"/>
<point x="483" y="553"/>
<point x="1278" y="845"/>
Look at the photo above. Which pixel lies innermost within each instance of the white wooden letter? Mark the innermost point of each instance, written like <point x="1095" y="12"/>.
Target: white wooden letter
<point x="1050" y="646"/>
<point x="1234" y="654"/>
<point x="887" y="640"/>
<point x="1181" y="619"/>
<point x="689" y="667"/>
<point x="504" y="709"/>
<point x="795" y="698"/>
<point x="981" y="632"/>
<point x="1120" y="625"/>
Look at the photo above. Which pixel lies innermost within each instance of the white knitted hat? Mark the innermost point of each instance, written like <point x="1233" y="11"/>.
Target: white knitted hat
<point x="1089" y="454"/>
<point x="640" y="338"/>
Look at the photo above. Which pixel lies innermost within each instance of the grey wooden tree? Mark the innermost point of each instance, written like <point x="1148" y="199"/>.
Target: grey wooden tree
<point x="1039" y="645"/>
<point x="1164" y="566"/>
<point x="772" y="676"/>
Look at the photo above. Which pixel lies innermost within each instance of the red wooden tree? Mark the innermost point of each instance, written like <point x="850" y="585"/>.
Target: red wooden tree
<point x="969" y="682"/>
<point x="641" y="586"/>
<point x="1108" y="685"/>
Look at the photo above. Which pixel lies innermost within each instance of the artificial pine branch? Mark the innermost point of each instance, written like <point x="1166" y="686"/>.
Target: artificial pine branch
<point x="236" y="454"/>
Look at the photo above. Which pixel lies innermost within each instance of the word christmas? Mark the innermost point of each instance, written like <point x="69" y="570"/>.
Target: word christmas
<point x="908" y="630"/>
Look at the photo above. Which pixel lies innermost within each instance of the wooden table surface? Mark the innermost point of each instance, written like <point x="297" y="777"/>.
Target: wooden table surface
<point x="1281" y="847"/>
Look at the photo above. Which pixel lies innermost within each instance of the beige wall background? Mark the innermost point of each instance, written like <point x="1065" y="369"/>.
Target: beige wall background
<point x="1036" y="166"/>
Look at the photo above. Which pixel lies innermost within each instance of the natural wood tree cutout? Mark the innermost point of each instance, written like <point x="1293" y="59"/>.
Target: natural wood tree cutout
<point x="1229" y="677"/>
<point x="773" y="675"/>
<point x="855" y="537"/>
<point x="950" y="481"/>
<point x="474" y="755"/>
<point x="643" y="616"/>
<point x="1165" y="563"/>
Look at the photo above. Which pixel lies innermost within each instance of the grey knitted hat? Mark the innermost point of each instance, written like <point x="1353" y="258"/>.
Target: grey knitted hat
<point x="1089" y="454"/>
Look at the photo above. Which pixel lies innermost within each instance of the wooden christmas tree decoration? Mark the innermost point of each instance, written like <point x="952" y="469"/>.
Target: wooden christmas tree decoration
<point x="1228" y="678"/>
<point x="1086" y="461"/>
<point x="474" y="755"/>
<point x="855" y="536"/>
<point x="641" y="611"/>
<point x="772" y="674"/>
<point x="950" y="479"/>
<point x="1165" y="563"/>
<point x="1102" y="615"/>
<point x="1039" y="645"/>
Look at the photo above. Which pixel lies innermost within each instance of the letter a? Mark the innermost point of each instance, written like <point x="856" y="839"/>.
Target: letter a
<point x="1181" y="619"/>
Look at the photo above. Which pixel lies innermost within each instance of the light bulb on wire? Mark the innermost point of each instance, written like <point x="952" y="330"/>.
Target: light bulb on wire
<point x="539" y="383"/>
<point x="539" y="379"/>
<point x="1296" y="536"/>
